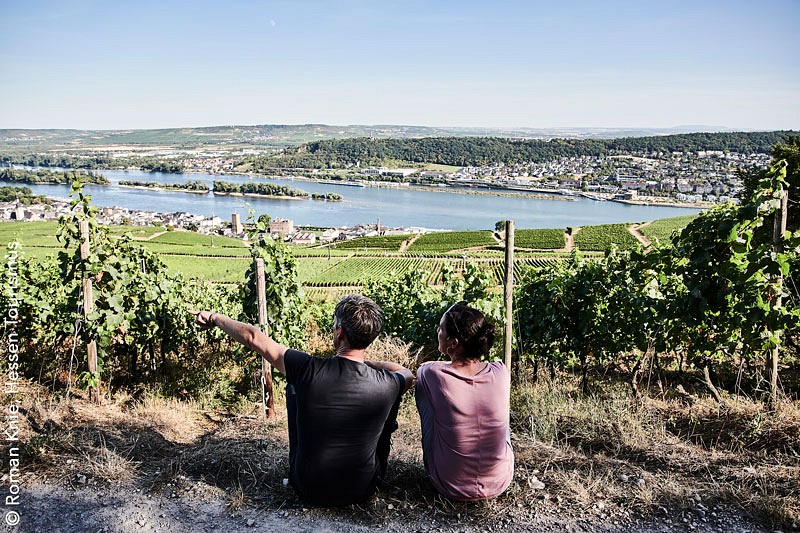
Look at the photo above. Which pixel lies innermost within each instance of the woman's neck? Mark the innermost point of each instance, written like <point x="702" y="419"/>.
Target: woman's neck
<point x="468" y="367"/>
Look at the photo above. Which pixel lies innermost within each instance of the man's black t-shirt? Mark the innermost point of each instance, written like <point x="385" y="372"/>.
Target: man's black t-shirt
<point x="342" y="407"/>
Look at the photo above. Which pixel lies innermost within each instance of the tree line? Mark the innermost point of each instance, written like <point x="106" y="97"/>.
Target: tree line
<point x="476" y="151"/>
<point x="23" y="194"/>
<point x="42" y="176"/>
<point x="150" y="164"/>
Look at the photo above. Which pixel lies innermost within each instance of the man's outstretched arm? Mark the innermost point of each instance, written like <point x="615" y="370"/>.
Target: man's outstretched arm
<point x="394" y="367"/>
<point x="246" y="334"/>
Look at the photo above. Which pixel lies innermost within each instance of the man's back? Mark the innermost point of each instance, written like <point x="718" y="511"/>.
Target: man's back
<point x="345" y="411"/>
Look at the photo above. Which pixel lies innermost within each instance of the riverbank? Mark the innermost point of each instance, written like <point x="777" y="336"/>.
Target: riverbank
<point x="481" y="192"/>
<point x="647" y="203"/>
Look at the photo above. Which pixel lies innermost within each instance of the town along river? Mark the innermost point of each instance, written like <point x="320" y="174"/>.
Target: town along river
<point x="395" y="207"/>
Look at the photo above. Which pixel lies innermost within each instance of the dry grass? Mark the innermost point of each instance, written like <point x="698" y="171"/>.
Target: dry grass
<point x="676" y="453"/>
<point x="395" y="350"/>
<point x="601" y="458"/>
<point x="107" y="465"/>
<point x="177" y="421"/>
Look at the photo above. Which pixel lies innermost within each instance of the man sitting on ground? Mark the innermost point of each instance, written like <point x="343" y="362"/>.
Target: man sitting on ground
<point x="341" y="411"/>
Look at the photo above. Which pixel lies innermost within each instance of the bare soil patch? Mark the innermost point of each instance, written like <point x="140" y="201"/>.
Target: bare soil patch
<point x="641" y="237"/>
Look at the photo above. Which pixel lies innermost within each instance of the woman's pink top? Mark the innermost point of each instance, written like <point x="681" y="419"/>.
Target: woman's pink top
<point x="468" y="454"/>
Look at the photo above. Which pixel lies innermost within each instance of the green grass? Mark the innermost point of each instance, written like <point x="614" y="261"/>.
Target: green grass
<point x="384" y="242"/>
<point x="498" y="267"/>
<point x="191" y="243"/>
<point x="308" y="268"/>
<point x="177" y="249"/>
<point x="305" y="251"/>
<point x="599" y="238"/>
<point x="139" y="232"/>
<point x="44" y="233"/>
<point x="452" y="240"/>
<point x="661" y="230"/>
<point x="30" y="233"/>
<point x="190" y="238"/>
<point x="214" y="269"/>
<point x="360" y="270"/>
<point x="542" y="239"/>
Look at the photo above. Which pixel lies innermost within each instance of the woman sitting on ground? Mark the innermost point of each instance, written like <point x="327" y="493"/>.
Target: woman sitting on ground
<point x="464" y="410"/>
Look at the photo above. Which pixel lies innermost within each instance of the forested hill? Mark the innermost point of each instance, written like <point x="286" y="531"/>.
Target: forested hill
<point x="464" y="151"/>
<point x="277" y="136"/>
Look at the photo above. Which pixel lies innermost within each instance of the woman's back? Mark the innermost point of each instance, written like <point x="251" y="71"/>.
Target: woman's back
<point x="465" y="426"/>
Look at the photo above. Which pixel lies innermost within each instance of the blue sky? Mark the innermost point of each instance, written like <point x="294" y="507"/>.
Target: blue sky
<point x="102" y="65"/>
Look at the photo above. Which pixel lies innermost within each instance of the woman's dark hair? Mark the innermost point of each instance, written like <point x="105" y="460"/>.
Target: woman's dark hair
<point x="470" y="327"/>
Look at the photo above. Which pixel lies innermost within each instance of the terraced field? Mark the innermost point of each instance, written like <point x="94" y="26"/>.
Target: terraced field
<point x="540" y="239"/>
<point x="661" y="230"/>
<point x="213" y="269"/>
<point x="138" y="232"/>
<point x="498" y="267"/>
<point x="452" y="240"/>
<point x="38" y="239"/>
<point x="30" y="233"/>
<point x="383" y="242"/>
<point x="190" y="238"/>
<point x="349" y="265"/>
<point x="308" y="268"/>
<point x="600" y="238"/>
<point x="360" y="270"/>
<point x="196" y="250"/>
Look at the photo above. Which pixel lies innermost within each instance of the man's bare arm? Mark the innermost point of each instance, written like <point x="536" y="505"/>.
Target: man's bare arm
<point x="394" y="367"/>
<point x="246" y="334"/>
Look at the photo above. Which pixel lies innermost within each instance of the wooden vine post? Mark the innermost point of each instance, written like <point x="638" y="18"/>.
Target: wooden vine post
<point x="267" y="397"/>
<point x="88" y="307"/>
<point x="508" y="292"/>
<point x="779" y="230"/>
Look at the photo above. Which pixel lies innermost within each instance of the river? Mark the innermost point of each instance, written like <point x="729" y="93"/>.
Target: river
<point x="365" y="205"/>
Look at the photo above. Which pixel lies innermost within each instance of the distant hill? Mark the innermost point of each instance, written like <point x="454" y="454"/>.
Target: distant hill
<point x="280" y="136"/>
<point x="464" y="151"/>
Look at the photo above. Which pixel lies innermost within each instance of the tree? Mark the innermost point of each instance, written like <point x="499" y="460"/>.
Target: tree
<point x="790" y="151"/>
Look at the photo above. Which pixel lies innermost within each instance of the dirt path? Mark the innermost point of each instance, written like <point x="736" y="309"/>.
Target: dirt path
<point x="409" y="242"/>
<point x="151" y="237"/>
<point x="634" y="230"/>
<point x="569" y="239"/>
<point x="188" y="507"/>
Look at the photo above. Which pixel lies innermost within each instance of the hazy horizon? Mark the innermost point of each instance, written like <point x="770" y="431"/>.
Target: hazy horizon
<point x="687" y="128"/>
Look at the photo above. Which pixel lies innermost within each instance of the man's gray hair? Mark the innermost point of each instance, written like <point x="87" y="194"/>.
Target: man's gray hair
<point x="361" y="319"/>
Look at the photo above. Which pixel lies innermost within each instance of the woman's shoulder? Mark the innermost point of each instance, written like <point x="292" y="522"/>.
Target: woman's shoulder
<point x="431" y="366"/>
<point x="498" y="368"/>
<point x="431" y="370"/>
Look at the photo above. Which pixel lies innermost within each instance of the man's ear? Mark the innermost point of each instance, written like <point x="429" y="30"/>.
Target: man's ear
<point x="340" y="334"/>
